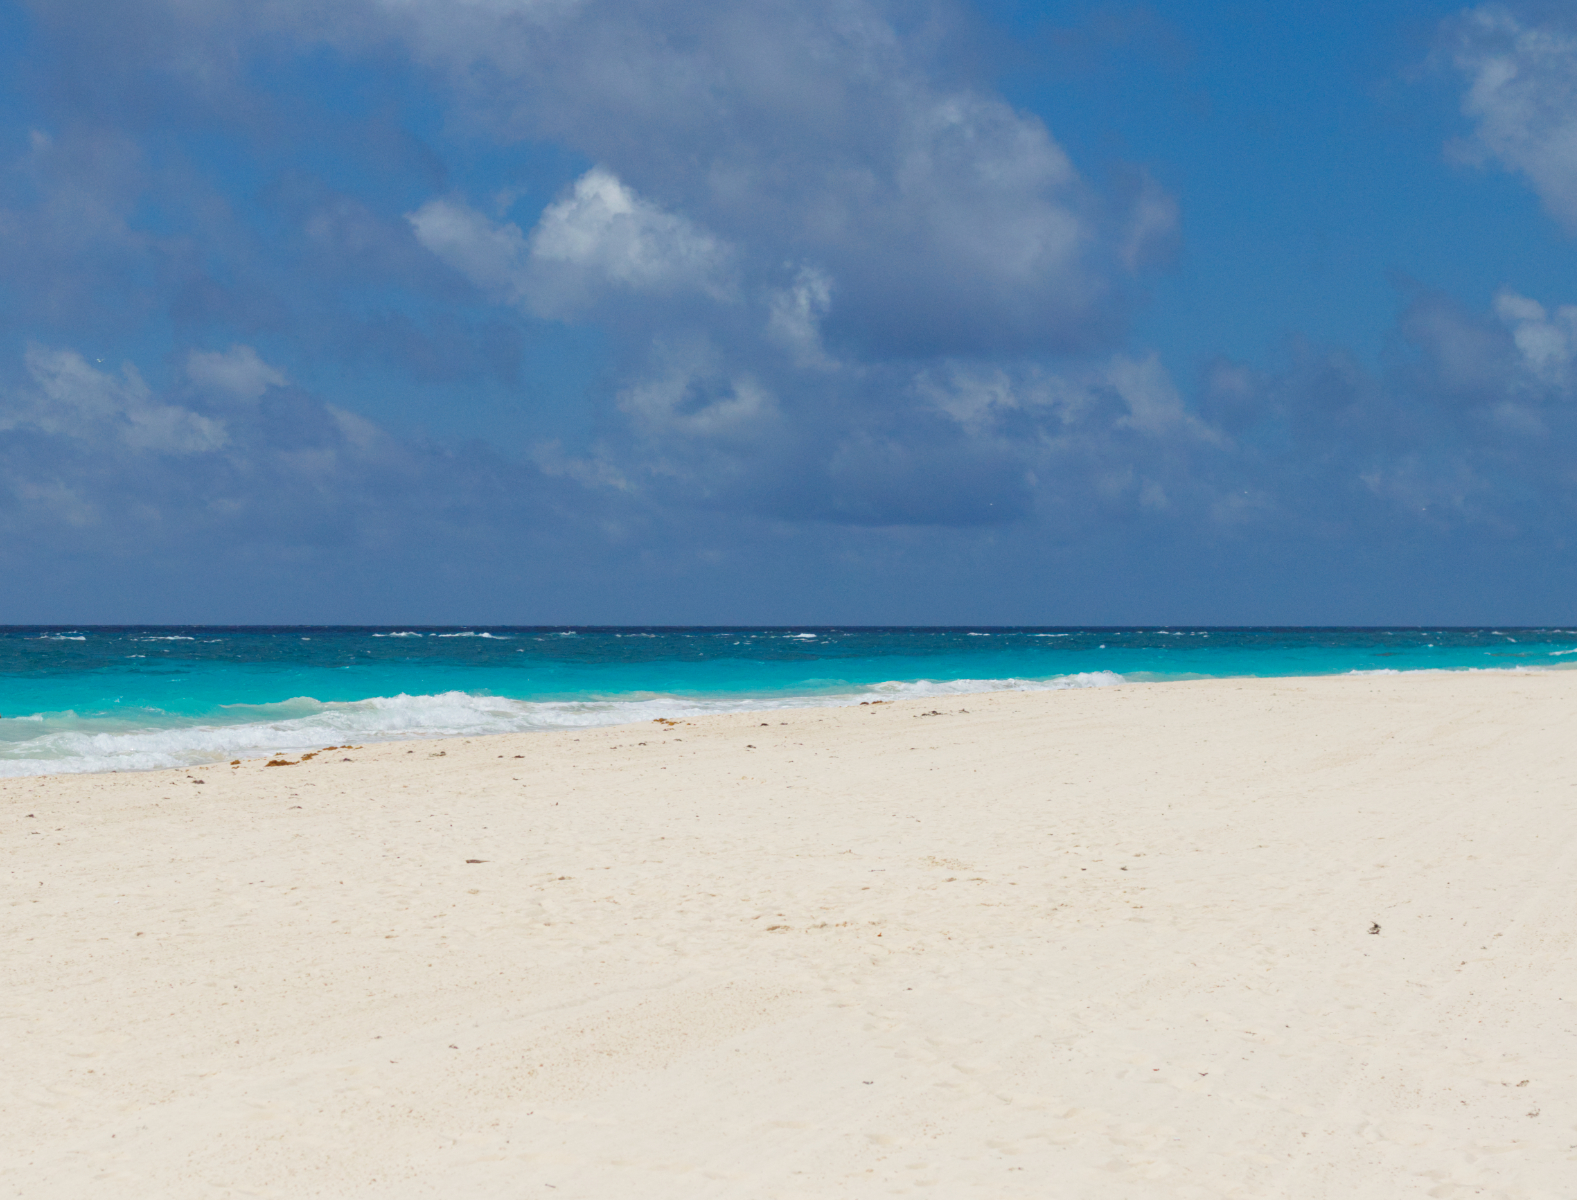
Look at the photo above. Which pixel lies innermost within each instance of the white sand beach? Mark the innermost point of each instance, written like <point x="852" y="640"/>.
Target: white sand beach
<point x="1243" y="938"/>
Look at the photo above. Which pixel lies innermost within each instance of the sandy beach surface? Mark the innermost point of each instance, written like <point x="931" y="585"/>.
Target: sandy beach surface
<point x="1247" y="938"/>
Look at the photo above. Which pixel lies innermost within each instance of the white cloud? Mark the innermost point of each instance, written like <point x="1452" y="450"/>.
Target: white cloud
<point x="818" y="193"/>
<point x="984" y="180"/>
<point x="976" y="395"/>
<point x="603" y="230"/>
<point x="97" y="467"/>
<point x="699" y="420"/>
<point x="966" y="229"/>
<point x="1522" y="97"/>
<point x="601" y="238"/>
<point x="1546" y="342"/>
<point x="1154" y="405"/>
<point x="693" y="399"/>
<point x="237" y="372"/>
<point x="1124" y="392"/>
<point x="794" y="316"/>
<point x="821" y="132"/>
<point x="74" y="400"/>
<point x="494" y="257"/>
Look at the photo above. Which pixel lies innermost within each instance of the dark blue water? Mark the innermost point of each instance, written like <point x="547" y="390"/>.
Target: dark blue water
<point x="128" y="698"/>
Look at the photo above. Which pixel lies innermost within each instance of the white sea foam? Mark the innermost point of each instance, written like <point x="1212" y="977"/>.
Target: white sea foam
<point x="72" y="744"/>
<point x="407" y="633"/>
<point x="497" y="637"/>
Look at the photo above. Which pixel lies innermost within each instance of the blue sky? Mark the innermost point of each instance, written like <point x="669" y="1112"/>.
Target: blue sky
<point x="846" y="312"/>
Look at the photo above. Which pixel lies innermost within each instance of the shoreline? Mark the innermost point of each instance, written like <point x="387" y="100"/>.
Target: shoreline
<point x="762" y="704"/>
<point x="1115" y="936"/>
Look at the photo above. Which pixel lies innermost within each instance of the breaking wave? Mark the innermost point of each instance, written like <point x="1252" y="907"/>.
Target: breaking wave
<point x="149" y="739"/>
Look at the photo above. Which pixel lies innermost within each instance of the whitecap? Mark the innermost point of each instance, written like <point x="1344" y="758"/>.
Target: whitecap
<point x="960" y="687"/>
<point x="151" y="740"/>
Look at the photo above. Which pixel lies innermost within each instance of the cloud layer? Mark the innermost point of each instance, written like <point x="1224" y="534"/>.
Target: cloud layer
<point x="854" y="315"/>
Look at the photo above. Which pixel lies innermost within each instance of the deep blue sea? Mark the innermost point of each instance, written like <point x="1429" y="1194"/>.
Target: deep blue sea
<point x="102" y="699"/>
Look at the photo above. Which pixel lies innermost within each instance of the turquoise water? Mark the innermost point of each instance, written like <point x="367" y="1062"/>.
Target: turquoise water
<point x="93" y="699"/>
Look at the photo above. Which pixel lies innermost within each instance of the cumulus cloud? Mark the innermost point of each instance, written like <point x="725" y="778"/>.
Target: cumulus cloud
<point x="697" y="399"/>
<point x="825" y="134"/>
<point x="237" y="372"/>
<point x="797" y="216"/>
<point x="1546" y="342"/>
<point x="795" y="314"/>
<point x="797" y="212"/>
<point x="599" y="239"/>
<point x="1111" y="436"/>
<point x="492" y="256"/>
<point x="69" y="398"/>
<point x="208" y="492"/>
<point x="1521" y="69"/>
<point x="1122" y="393"/>
<point x="797" y="246"/>
<point x="1470" y="429"/>
<point x="604" y="234"/>
<point x="836" y="288"/>
<point x="1469" y="426"/>
<point x="957" y="442"/>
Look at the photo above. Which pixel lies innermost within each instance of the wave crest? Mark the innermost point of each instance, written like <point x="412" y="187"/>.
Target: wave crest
<point x="148" y="739"/>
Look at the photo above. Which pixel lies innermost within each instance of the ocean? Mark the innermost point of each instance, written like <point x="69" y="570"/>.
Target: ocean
<point x="139" y="698"/>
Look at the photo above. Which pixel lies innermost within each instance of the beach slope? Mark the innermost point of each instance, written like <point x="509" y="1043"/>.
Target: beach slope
<point x="1284" y="938"/>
